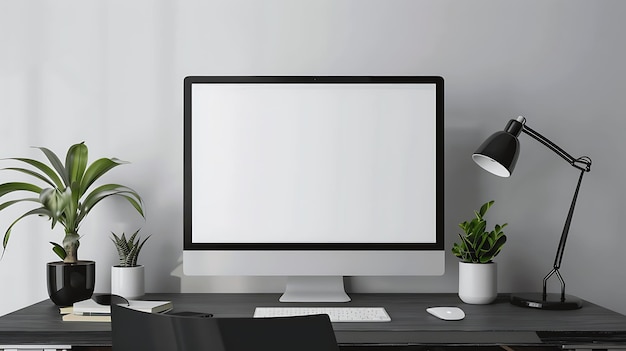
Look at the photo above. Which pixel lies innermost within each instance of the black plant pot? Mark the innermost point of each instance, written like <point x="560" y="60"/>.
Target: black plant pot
<point x="70" y="282"/>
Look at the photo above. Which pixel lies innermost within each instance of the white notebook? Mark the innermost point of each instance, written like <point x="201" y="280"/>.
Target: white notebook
<point x="90" y="307"/>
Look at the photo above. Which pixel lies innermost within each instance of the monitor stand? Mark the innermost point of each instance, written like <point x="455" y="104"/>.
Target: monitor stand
<point x="314" y="289"/>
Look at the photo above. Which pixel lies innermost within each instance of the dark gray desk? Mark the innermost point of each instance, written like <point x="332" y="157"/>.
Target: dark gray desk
<point x="496" y="325"/>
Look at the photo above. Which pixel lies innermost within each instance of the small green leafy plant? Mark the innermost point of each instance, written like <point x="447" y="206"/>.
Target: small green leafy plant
<point x="66" y="196"/>
<point x="477" y="244"/>
<point x="128" y="249"/>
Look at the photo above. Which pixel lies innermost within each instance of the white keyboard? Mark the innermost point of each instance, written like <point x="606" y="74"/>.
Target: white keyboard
<point x="336" y="314"/>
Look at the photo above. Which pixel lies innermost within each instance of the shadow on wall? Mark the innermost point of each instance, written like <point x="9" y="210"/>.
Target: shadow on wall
<point x="226" y="284"/>
<point x="464" y="190"/>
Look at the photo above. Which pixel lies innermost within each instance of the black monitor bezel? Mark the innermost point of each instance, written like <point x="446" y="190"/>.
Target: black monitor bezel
<point x="188" y="244"/>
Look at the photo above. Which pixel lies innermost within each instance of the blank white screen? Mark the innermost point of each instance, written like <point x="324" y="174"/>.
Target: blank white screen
<point x="313" y="163"/>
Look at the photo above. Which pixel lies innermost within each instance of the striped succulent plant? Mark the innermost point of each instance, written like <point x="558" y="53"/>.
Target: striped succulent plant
<point x="128" y="249"/>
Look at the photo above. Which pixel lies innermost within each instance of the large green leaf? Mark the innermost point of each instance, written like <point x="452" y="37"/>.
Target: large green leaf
<point x="12" y="202"/>
<point x="76" y="162"/>
<point x="136" y="204"/>
<point x="107" y="190"/>
<point x="56" y="163"/>
<point x="96" y="170"/>
<point x="7" y="188"/>
<point x="31" y="173"/>
<point x="45" y="169"/>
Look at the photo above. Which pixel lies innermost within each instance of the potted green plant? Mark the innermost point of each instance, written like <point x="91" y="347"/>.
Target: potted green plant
<point x="476" y="249"/>
<point x="65" y="196"/>
<point x="128" y="277"/>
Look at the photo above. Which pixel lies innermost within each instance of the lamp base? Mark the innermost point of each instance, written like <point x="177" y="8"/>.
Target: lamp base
<point x="551" y="302"/>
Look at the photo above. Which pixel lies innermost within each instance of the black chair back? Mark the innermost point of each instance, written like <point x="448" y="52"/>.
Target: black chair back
<point x="137" y="331"/>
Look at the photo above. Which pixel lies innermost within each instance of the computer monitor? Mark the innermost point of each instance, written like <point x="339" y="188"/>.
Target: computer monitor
<point x="313" y="178"/>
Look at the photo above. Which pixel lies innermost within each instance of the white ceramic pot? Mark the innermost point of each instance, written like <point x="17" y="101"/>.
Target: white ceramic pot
<point x="478" y="282"/>
<point x="128" y="282"/>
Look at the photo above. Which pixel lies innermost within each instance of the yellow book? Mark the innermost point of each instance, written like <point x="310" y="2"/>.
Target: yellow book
<point x="70" y="317"/>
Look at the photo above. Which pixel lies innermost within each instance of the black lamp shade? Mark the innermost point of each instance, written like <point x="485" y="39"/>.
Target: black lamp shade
<point x="498" y="154"/>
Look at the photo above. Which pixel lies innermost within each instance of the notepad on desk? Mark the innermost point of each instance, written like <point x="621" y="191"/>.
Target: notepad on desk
<point x="90" y="307"/>
<point x="90" y="311"/>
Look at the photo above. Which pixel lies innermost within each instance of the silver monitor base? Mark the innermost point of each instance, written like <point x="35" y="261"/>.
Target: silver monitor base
<point x="315" y="289"/>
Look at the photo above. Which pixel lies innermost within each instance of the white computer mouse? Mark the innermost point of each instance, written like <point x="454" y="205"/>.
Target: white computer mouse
<point x="447" y="313"/>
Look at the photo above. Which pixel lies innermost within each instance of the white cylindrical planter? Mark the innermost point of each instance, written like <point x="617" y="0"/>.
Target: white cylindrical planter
<point x="128" y="282"/>
<point x="478" y="283"/>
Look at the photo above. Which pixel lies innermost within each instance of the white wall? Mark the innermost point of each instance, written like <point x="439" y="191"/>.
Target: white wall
<point x="110" y="73"/>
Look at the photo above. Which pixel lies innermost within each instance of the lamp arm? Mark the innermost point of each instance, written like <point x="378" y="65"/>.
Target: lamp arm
<point x="568" y="221"/>
<point x="582" y="163"/>
<point x="561" y="248"/>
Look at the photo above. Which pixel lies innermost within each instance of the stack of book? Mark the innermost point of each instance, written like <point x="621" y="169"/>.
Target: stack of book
<point x="90" y="311"/>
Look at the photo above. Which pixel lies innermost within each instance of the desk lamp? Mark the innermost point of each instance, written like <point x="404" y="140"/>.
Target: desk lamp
<point x="498" y="155"/>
